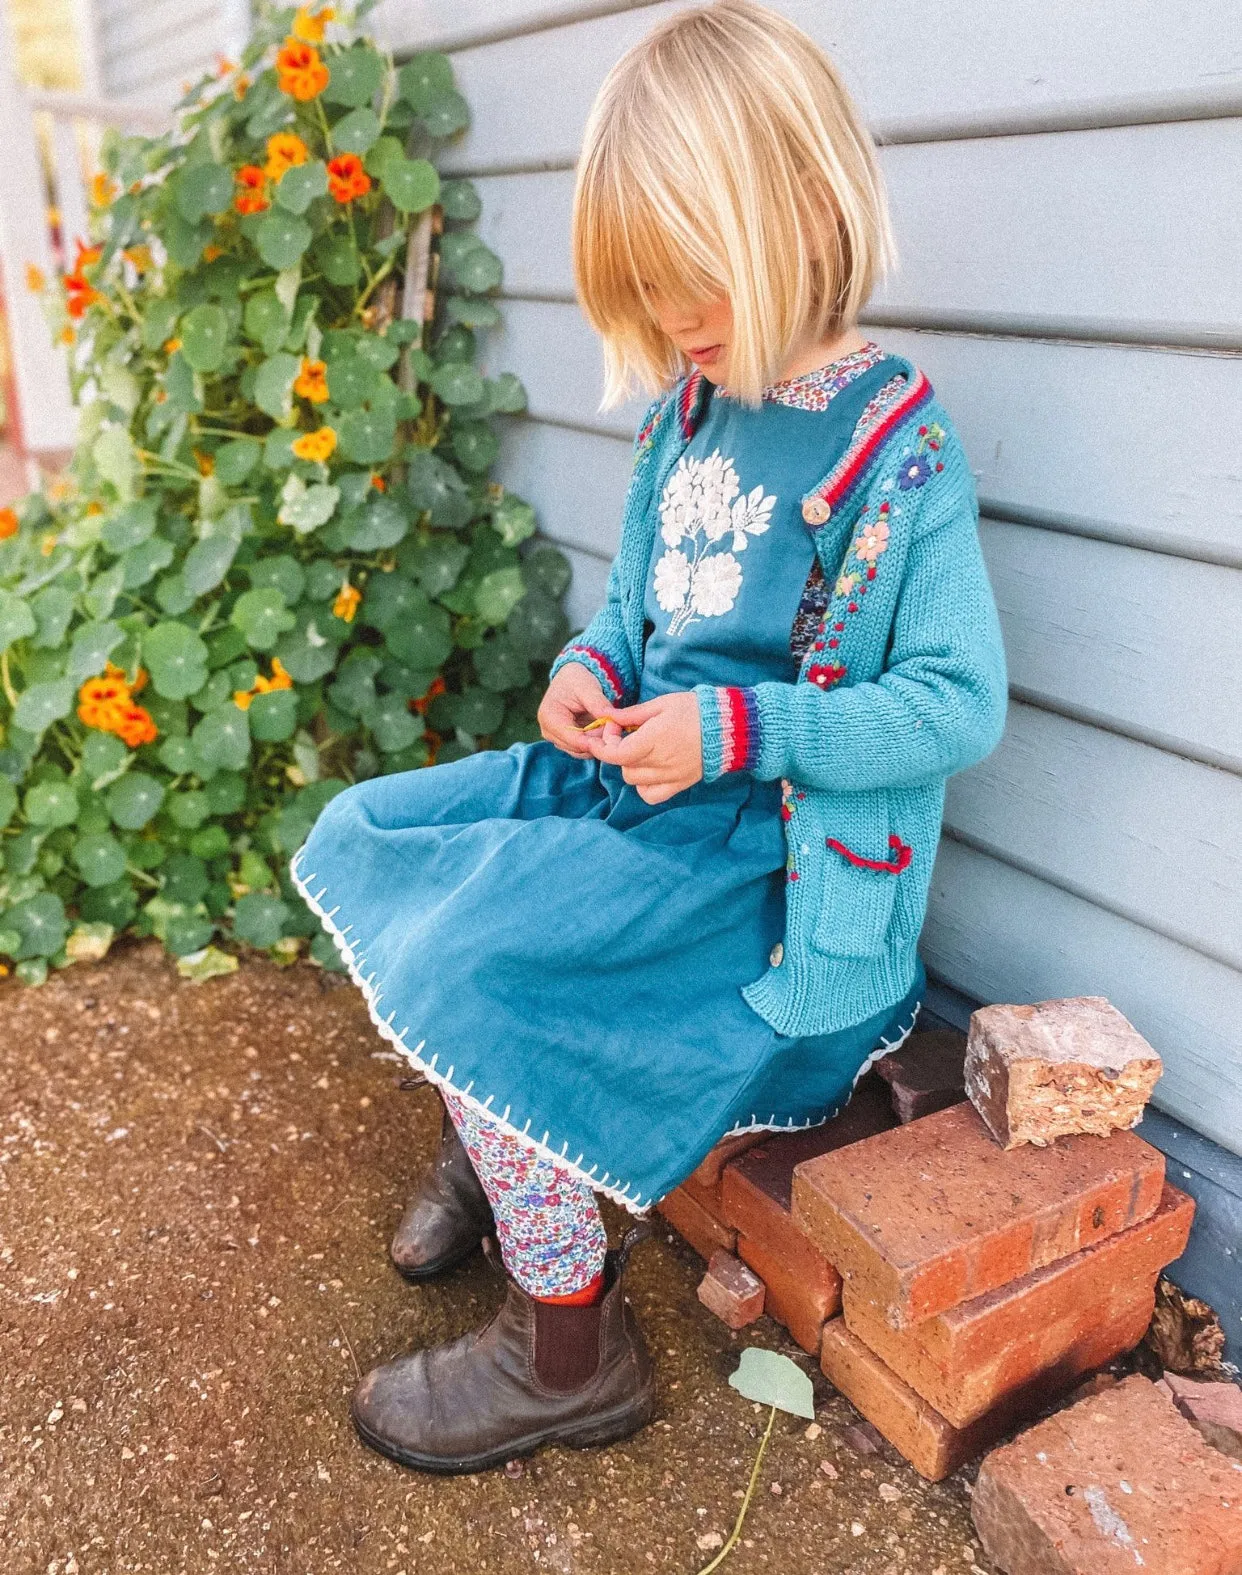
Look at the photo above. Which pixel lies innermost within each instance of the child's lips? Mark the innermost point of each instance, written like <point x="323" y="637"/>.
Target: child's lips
<point x="706" y="355"/>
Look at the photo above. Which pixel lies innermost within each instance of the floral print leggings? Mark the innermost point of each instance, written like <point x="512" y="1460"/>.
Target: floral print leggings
<point x="552" y="1237"/>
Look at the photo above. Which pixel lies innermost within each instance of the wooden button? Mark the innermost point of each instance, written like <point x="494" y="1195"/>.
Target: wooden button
<point x="776" y="954"/>
<point x="816" y="510"/>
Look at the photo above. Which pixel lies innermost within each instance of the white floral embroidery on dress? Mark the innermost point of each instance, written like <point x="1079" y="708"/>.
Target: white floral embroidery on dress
<point x="703" y="514"/>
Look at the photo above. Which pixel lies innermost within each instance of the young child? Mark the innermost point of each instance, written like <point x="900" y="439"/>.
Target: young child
<point x="692" y="909"/>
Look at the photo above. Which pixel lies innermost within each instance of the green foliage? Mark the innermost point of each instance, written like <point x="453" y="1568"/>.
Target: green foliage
<point x="223" y="616"/>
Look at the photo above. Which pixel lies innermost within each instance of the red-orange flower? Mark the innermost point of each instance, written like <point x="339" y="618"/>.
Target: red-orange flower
<point x="346" y="177"/>
<point x="285" y="151"/>
<point x="79" y="294"/>
<point x="8" y="523"/>
<point x="312" y="381"/>
<point x="299" y="70"/>
<point x="252" y="186"/>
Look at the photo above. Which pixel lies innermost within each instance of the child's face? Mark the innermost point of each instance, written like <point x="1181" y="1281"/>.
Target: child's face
<point x="703" y="332"/>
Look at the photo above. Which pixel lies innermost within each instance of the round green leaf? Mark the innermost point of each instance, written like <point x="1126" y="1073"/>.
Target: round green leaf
<point x="44" y="703"/>
<point x="546" y="569"/>
<point x="389" y="601"/>
<point x="207" y="562"/>
<point x="475" y="445"/>
<point x="424" y="78"/>
<point x="114" y="904"/>
<point x="185" y="879"/>
<point x="177" y="660"/>
<point x="286" y="575"/>
<point x="51" y="804"/>
<point x="212" y="842"/>
<point x="222" y="739"/>
<point x="438" y="563"/>
<point x="307" y="508"/>
<point x="423" y="639"/>
<point x="368" y="436"/>
<point x="507" y="395"/>
<point x="513" y="520"/>
<point x="273" y="385"/>
<point x="142" y="563"/>
<point x="235" y="461"/>
<point x="177" y="755"/>
<point x="500" y="667"/>
<point x="93" y="644"/>
<point x="103" y="754"/>
<point x="478" y="711"/>
<point x="446" y="115"/>
<point x="204" y="337"/>
<point x="100" y="858"/>
<point x="259" y="918"/>
<point x="435" y="486"/>
<point x="356" y="75"/>
<point x="498" y="593"/>
<point x="188" y="810"/>
<point x="305" y="653"/>
<point x="537" y="626"/>
<point x="273" y="716"/>
<point x="203" y="189"/>
<point x="338" y="260"/>
<point x="354" y="689"/>
<point x="281" y="239"/>
<point x="391" y="723"/>
<point x="226" y="793"/>
<point x="53" y="609"/>
<point x="128" y="527"/>
<point x="262" y="617"/>
<point x="772" y="1379"/>
<point x="356" y="132"/>
<point x="187" y="933"/>
<point x="40" y="925"/>
<point x="300" y="185"/>
<point x="352" y="380"/>
<point x="134" y="800"/>
<point x="473" y="267"/>
<point x="456" y="383"/>
<point x="460" y="200"/>
<point x="16" y="619"/>
<point x="381" y="524"/>
<point x="173" y="594"/>
<point x="410" y="184"/>
<point x="8" y="801"/>
<point x="266" y="322"/>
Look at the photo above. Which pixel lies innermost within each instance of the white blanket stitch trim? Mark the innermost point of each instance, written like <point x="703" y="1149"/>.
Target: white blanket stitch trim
<point x="624" y="1195"/>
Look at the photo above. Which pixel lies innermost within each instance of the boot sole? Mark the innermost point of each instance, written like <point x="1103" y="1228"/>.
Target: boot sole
<point x="429" y="1271"/>
<point x="607" y="1428"/>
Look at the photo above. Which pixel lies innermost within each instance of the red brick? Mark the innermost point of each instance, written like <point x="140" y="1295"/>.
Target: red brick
<point x="1117" y="1483"/>
<point x="932" y="1214"/>
<point x="690" y="1219"/>
<point x="926" y="1074"/>
<point x="1042" y="1072"/>
<point x="1214" y="1408"/>
<point x="932" y="1445"/>
<point x="801" y="1301"/>
<point x="731" y="1291"/>
<point x="1070" y="1316"/>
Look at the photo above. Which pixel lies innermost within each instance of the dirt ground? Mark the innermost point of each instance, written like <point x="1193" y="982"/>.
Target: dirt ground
<point x="197" y="1186"/>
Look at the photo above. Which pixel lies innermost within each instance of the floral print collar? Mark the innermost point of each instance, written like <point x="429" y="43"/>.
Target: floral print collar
<point x="814" y="390"/>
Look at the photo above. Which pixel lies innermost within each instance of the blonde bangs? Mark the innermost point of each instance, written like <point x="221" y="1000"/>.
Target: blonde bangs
<point x="724" y="157"/>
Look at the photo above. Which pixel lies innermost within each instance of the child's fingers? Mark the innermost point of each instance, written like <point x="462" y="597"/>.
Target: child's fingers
<point x="634" y="714"/>
<point x="630" y="750"/>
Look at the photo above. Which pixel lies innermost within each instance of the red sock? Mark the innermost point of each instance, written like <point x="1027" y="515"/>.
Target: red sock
<point x="586" y="1297"/>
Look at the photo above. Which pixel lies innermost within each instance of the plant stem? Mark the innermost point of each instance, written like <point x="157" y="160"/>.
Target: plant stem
<point x="741" y="1514"/>
<point x="10" y="694"/>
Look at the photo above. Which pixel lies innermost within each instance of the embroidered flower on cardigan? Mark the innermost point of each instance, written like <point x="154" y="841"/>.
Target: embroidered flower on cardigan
<point x="916" y="468"/>
<point x="704" y="508"/>
<point x="871" y="541"/>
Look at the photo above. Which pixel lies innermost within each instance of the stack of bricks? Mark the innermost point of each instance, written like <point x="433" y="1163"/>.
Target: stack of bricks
<point x="951" y="1287"/>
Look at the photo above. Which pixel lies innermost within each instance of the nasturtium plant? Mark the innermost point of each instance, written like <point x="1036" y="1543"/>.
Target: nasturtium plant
<point x="276" y="564"/>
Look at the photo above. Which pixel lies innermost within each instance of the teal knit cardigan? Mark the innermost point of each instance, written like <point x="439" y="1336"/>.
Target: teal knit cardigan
<point x="903" y="684"/>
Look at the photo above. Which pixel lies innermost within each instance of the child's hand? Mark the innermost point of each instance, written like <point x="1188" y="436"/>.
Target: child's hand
<point x="573" y="697"/>
<point x="664" y="753"/>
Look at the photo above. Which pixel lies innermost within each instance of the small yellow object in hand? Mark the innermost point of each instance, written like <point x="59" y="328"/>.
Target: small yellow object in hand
<point x="600" y="721"/>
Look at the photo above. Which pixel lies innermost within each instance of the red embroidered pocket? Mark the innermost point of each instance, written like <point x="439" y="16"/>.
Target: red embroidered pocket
<point x="902" y="854"/>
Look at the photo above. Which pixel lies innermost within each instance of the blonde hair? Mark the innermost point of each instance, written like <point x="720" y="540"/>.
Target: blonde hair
<point x="724" y="157"/>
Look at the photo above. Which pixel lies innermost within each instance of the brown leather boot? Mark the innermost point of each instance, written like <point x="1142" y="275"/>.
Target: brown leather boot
<point x="539" y="1373"/>
<point x="448" y="1218"/>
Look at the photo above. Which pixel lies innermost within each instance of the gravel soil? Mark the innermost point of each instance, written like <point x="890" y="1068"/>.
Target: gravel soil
<point x="197" y="1186"/>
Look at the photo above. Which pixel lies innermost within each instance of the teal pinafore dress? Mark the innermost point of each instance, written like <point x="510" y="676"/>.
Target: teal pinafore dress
<point x="569" y="957"/>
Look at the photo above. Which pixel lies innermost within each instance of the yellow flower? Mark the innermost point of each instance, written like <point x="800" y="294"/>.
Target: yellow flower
<point x="310" y="25"/>
<point x="280" y="679"/>
<point x="316" y="445"/>
<point x="102" y="189"/>
<point x="312" y="381"/>
<point x="346" y="603"/>
<point x="285" y="150"/>
<point x="140" y="257"/>
<point x="36" y="279"/>
<point x="242" y="698"/>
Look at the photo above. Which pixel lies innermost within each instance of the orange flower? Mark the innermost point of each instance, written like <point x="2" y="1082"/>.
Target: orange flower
<point x="67" y="336"/>
<point x="171" y="346"/>
<point x="140" y="257"/>
<point x="103" y="189"/>
<point x="280" y="679"/>
<point x="79" y="294"/>
<point x="224" y="65"/>
<point x="346" y="603"/>
<point x="251" y="197"/>
<point x="107" y="703"/>
<point x="210" y="253"/>
<point x="420" y="705"/>
<point x="312" y="381"/>
<point x="285" y="150"/>
<point x="137" y="726"/>
<point x="299" y="70"/>
<point x="241" y="87"/>
<point x="8" y="523"/>
<point x="378" y="482"/>
<point x="346" y="177"/>
<point x="315" y="445"/>
<point x="206" y="465"/>
<point x="88" y="256"/>
<point x="310" y="25"/>
<point x="36" y="279"/>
